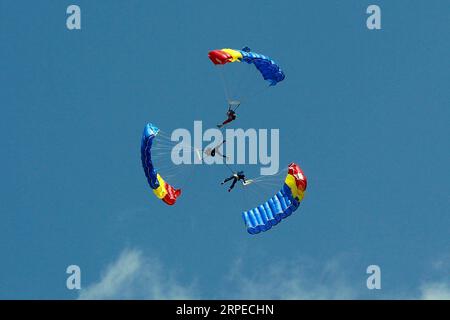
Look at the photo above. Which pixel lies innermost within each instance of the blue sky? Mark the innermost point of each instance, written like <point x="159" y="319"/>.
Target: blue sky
<point x="364" y="113"/>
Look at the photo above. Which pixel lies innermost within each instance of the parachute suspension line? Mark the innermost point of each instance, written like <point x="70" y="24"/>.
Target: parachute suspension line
<point x="252" y="94"/>
<point x="182" y="172"/>
<point x="267" y="177"/>
<point x="251" y="197"/>
<point x="232" y="171"/>
<point x="266" y="180"/>
<point x="230" y="101"/>
<point x="264" y="189"/>
<point x="244" y="195"/>
<point x="187" y="179"/>
<point x="166" y="136"/>
<point x="169" y="143"/>
<point x="236" y="103"/>
<point x="173" y="171"/>
<point x="224" y="83"/>
<point x="178" y="172"/>
<point x="257" y="92"/>
<point x="170" y="169"/>
<point x="264" y="184"/>
<point x="165" y="145"/>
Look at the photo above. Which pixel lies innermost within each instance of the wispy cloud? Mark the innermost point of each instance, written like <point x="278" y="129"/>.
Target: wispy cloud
<point x="294" y="280"/>
<point x="435" y="291"/>
<point x="134" y="276"/>
<point x="439" y="289"/>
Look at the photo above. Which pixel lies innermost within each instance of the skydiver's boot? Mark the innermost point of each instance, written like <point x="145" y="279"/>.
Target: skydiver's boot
<point x="219" y="126"/>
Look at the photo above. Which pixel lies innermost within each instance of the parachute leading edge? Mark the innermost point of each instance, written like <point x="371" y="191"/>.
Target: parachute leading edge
<point x="161" y="188"/>
<point x="269" y="69"/>
<point x="281" y="205"/>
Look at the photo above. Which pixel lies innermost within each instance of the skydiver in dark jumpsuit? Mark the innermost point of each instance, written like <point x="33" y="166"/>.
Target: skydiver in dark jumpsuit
<point x="231" y="113"/>
<point x="231" y="116"/>
<point x="235" y="177"/>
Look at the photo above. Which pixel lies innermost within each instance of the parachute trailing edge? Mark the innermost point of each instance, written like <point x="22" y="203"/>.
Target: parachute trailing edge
<point x="269" y="69"/>
<point x="161" y="188"/>
<point x="280" y="206"/>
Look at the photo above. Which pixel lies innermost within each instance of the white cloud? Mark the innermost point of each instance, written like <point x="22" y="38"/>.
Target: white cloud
<point x="435" y="291"/>
<point x="133" y="276"/>
<point x="440" y="288"/>
<point x="290" y="281"/>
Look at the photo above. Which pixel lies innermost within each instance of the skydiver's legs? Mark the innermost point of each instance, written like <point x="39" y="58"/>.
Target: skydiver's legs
<point x="233" y="184"/>
<point x="231" y="118"/>
<point x="228" y="179"/>
<point x="227" y="121"/>
<point x="224" y="123"/>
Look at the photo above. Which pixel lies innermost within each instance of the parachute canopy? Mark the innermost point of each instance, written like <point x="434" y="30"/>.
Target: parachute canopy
<point x="266" y="66"/>
<point x="161" y="188"/>
<point x="280" y="206"/>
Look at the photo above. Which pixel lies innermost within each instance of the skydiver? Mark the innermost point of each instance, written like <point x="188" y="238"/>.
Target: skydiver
<point x="231" y="114"/>
<point x="235" y="177"/>
<point x="212" y="152"/>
